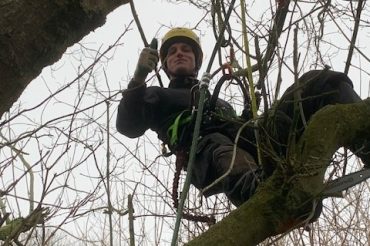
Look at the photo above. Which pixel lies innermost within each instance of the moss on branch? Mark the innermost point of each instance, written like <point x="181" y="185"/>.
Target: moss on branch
<point x="283" y="202"/>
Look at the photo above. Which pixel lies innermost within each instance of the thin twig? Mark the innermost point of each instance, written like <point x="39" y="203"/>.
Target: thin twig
<point x="131" y="220"/>
<point x="297" y="94"/>
<point x="354" y="35"/>
<point x="276" y="31"/>
<point x="108" y="180"/>
<point x="20" y="154"/>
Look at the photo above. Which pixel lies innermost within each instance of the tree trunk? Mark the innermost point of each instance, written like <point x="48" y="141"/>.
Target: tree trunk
<point x="283" y="201"/>
<point x="35" y="34"/>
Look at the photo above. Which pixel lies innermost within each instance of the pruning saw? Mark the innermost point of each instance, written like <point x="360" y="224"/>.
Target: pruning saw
<point x="337" y="186"/>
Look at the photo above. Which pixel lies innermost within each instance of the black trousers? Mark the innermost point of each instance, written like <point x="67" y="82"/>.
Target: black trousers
<point x="316" y="89"/>
<point x="214" y="157"/>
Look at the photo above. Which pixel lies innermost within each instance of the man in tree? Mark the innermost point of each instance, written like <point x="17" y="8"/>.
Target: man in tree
<point x="167" y="112"/>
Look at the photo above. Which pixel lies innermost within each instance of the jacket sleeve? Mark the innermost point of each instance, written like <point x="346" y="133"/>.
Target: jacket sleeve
<point x="131" y="120"/>
<point x="142" y="108"/>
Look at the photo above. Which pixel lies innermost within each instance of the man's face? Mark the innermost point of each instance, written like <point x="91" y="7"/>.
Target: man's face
<point x="180" y="60"/>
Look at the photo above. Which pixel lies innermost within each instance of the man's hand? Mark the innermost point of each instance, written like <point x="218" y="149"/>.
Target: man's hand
<point x="147" y="62"/>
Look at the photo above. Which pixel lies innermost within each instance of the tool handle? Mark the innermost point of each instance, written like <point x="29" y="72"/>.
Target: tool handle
<point x="154" y="44"/>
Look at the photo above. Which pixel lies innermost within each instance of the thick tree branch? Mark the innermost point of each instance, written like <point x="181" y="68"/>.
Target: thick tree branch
<point x="35" y="34"/>
<point x="285" y="199"/>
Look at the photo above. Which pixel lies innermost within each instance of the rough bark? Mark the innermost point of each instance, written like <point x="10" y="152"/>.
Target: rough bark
<point x="35" y="34"/>
<point x="284" y="200"/>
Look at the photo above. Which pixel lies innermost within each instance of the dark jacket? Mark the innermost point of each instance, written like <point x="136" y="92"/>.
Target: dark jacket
<point x="156" y="108"/>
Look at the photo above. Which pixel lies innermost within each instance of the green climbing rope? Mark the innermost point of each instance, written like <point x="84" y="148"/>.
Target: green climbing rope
<point x="203" y="87"/>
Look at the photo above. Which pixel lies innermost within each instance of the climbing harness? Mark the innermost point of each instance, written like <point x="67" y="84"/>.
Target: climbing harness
<point x="174" y="130"/>
<point x="203" y="87"/>
<point x="178" y="132"/>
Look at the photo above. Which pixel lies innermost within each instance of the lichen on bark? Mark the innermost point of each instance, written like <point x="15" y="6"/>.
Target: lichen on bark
<point x="283" y="202"/>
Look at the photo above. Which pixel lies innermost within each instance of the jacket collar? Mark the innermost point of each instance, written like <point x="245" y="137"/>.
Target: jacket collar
<point x="183" y="82"/>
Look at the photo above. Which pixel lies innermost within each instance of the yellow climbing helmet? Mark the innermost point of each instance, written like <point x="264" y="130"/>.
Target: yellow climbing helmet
<point x="181" y="34"/>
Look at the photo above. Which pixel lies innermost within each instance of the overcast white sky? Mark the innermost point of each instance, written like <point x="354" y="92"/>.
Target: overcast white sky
<point x="120" y="64"/>
<point x="153" y="15"/>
